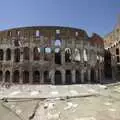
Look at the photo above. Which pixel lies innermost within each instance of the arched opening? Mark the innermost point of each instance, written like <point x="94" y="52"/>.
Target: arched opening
<point x="46" y="77"/>
<point x="1" y="54"/>
<point x="8" y="54"/>
<point x="57" y="56"/>
<point x="85" y="55"/>
<point x="7" y="76"/>
<point x="58" y="42"/>
<point x="1" y="76"/>
<point x="25" y="77"/>
<point x="17" y="55"/>
<point x="78" y="77"/>
<point x="16" y="76"/>
<point x="47" y="54"/>
<point x="117" y="51"/>
<point x="68" y="77"/>
<point x="36" y="77"/>
<point x="93" y="75"/>
<point x="36" y="54"/>
<point x="77" y="55"/>
<point x="68" y="55"/>
<point x="26" y="53"/>
<point x="58" y="78"/>
<point x="85" y="76"/>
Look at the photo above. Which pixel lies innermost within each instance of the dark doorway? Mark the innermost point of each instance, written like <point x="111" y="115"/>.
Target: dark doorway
<point x="57" y="56"/>
<point x="92" y="76"/>
<point x="86" y="76"/>
<point x="26" y="53"/>
<point x="1" y="76"/>
<point x="17" y="55"/>
<point x="68" y="77"/>
<point x="78" y="77"/>
<point x="1" y="54"/>
<point x="8" y="54"/>
<point x="25" y="77"/>
<point x="7" y="76"/>
<point x="36" y="77"/>
<point x="46" y="77"/>
<point x="58" y="78"/>
<point x="16" y="76"/>
<point x="67" y="55"/>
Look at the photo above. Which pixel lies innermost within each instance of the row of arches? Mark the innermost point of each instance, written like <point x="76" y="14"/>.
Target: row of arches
<point x="25" y="77"/>
<point x="57" y="77"/>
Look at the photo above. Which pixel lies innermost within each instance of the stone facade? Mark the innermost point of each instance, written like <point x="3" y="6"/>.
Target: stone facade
<point x="50" y="55"/>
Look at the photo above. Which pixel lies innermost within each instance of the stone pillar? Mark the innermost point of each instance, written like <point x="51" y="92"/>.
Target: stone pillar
<point x="51" y="75"/>
<point x="3" y="76"/>
<point x="30" y="76"/>
<point x="96" y="72"/>
<point x="100" y="75"/>
<point x="82" y="76"/>
<point x="42" y="77"/>
<point x="63" y="76"/>
<point x="73" y="76"/>
<point x="89" y="75"/>
<point x="63" y="57"/>
<point x="11" y="76"/>
<point x="20" y="76"/>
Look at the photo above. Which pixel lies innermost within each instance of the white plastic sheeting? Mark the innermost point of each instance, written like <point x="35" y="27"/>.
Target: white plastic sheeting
<point x="85" y="55"/>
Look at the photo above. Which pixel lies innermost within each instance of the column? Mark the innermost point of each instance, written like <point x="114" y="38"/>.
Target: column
<point x="3" y="76"/>
<point x="42" y="77"/>
<point x="30" y="76"/>
<point x="82" y="76"/>
<point x="100" y="75"/>
<point x="96" y="72"/>
<point x="51" y="75"/>
<point x="73" y="76"/>
<point x="21" y="55"/>
<point x="63" y="76"/>
<point x="20" y="76"/>
<point x="11" y="76"/>
<point x="4" y="55"/>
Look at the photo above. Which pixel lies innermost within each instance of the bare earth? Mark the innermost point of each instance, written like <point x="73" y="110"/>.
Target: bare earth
<point x="49" y="102"/>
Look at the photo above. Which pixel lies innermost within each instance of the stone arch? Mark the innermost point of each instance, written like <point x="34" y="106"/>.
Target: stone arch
<point x="85" y="76"/>
<point x="1" y="76"/>
<point x="68" y="54"/>
<point x="36" y="77"/>
<point x="16" y="76"/>
<point x="36" y="54"/>
<point x="68" y="77"/>
<point x="8" y="54"/>
<point x="17" y="55"/>
<point x="25" y="77"/>
<point x="85" y="55"/>
<point x="58" y="77"/>
<point x="78" y="76"/>
<point x="26" y="53"/>
<point x="93" y="78"/>
<point x="77" y="57"/>
<point x="1" y="54"/>
<point x="7" y="76"/>
<point x="46" y="77"/>
<point x="57" y="56"/>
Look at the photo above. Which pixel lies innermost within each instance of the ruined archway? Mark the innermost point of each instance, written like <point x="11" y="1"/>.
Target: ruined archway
<point x="46" y="77"/>
<point x="77" y="57"/>
<point x="78" y="77"/>
<point x="58" y="77"/>
<point x="17" y="55"/>
<point x="16" y="76"/>
<point x="36" y="54"/>
<point x="36" y="77"/>
<point x="85" y="76"/>
<point x="25" y="77"/>
<point x="68" y="55"/>
<point x="93" y="79"/>
<point x="1" y="76"/>
<point x="1" y="54"/>
<point x="68" y="77"/>
<point x="8" y="54"/>
<point x="57" y="56"/>
<point x="7" y="76"/>
<point x="26" y="53"/>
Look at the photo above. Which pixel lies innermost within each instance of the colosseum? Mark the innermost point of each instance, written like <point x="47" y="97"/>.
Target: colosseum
<point x="50" y="55"/>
